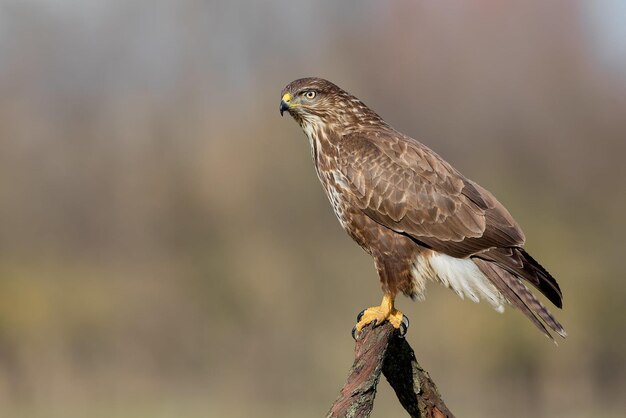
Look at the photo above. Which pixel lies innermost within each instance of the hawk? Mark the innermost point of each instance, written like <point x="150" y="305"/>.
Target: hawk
<point x="417" y="216"/>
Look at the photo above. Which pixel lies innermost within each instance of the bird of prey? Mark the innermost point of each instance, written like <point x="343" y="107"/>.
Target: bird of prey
<point x="418" y="217"/>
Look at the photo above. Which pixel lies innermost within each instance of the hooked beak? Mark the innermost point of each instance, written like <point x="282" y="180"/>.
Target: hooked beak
<point x="285" y="103"/>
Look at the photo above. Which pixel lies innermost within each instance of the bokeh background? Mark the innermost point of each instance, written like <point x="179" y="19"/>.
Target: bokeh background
<point x="166" y="249"/>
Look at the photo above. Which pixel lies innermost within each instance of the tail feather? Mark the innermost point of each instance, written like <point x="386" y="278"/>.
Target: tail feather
<point x="544" y="282"/>
<point x="519" y="263"/>
<point x="519" y="296"/>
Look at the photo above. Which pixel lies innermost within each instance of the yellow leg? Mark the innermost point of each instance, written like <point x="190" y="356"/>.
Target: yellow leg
<point x="380" y="314"/>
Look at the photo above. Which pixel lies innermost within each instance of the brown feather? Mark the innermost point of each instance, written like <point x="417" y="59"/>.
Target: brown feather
<point x="439" y="207"/>
<point x="519" y="296"/>
<point x="518" y="262"/>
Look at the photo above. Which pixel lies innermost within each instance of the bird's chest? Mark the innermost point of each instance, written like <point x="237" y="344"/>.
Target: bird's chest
<point x="336" y="190"/>
<point x="324" y="154"/>
<point x="366" y="232"/>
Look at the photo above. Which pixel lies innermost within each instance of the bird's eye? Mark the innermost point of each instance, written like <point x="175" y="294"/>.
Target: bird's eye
<point x="310" y="94"/>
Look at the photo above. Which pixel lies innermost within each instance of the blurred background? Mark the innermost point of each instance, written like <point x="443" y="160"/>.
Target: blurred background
<point x="166" y="249"/>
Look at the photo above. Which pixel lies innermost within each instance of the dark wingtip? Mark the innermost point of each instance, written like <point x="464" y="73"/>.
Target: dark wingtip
<point x="546" y="283"/>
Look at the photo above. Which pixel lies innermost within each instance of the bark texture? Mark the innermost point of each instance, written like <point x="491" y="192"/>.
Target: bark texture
<point x="382" y="350"/>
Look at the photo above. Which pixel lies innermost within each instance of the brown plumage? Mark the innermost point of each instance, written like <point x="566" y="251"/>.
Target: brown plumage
<point x="417" y="216"/>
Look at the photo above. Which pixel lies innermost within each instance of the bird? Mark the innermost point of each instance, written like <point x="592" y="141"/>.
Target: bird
<point x="419" y="218"/>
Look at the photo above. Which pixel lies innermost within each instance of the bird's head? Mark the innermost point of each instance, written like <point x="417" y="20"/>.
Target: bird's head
<point x="312" y="101"/>
<point x="308" y="98"/>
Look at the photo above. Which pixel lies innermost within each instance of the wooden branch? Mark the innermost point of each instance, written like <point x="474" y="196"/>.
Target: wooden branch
<point x="382" y="349"/>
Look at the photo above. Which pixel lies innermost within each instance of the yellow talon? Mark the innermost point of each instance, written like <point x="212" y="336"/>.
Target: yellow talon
<point x="380" y="314"/>
<point x="395" y="318"/>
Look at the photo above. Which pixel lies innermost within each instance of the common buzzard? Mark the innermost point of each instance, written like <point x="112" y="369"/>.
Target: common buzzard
<point x="416" y="215"/>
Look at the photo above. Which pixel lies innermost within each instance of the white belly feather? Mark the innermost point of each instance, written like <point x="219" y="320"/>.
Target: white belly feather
<point x="458" y="274"/>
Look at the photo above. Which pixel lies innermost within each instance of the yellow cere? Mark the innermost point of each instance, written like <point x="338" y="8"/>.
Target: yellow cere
<point x="287" y="99"/>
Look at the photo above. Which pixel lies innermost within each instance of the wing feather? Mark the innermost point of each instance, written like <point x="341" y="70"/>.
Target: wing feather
<point x="406" y="187"/>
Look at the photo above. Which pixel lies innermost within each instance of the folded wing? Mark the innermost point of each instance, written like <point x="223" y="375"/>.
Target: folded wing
<point x="404" y="186"/>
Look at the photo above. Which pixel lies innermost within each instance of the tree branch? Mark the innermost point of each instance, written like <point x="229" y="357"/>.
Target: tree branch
<point x="382" y="349"/>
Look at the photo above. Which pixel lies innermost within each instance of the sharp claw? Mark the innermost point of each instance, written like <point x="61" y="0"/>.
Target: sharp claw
<point x="360" y="315"/>
<point x="404" y="325"/>
<point x="354" y="333"/>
